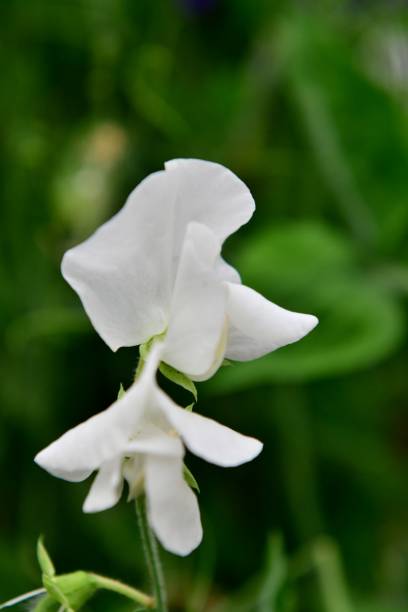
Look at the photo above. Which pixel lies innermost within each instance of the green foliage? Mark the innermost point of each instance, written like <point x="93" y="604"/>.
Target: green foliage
<point x="168" y="371"/>
<point x="356" y="128"/>
<point x="44" y="560"/>
<point x="178" y="378"/>
<point x="189" y="478"/>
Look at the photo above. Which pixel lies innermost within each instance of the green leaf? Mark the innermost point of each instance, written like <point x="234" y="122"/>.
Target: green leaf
<point x="189" y="478"/>
<point x="327" y="77"/>
<point x="264" y="592"/>
<point x="178" y="378"/>
<point x="274" y="575"/>
<point x="44" y="560"/>
<point x="333" y="587"/>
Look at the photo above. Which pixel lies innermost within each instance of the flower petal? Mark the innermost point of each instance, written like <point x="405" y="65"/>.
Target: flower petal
<point x="104" y="436"/>
<point x="153" y="441"/>
<point x="107" y="487"/>
<point x="198" y="305"/>
<point x="226" y="272"/>
<point x="258" y="326"/>
<point x="172" y="506"/>
<point x="122" y="273"/>
<point x="133" y="472"/>
<point x="210" y="194"/>
<point x="207" y="438"/>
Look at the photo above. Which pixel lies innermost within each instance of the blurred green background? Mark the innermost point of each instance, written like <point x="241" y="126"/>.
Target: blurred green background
<point x="308" y="103"/>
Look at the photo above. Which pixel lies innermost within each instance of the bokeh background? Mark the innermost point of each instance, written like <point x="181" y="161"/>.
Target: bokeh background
<point x="308" y="103"/>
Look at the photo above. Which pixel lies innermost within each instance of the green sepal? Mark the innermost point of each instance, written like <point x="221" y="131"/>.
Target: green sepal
<point x="44" y="559"/>
<point x="55" y="592"/>
<point x="168" y="371"/>
<point x="190" y="407"/>
<point x="46" y="604"/>
<point x="121" y="391"/>
<point x="71" y="590"/>
<point x="227" y="362"/>
<point x="189" y="478"/>
<point x="178" y="378"/>
<point x="144" y="349"/>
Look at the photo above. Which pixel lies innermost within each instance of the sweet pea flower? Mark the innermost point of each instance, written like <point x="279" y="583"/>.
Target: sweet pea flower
<point x="155" y="269"/>
<point x="141" y="438"/>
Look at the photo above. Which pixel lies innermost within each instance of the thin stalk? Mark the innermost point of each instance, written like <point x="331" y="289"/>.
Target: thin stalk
<point x="21" y="598"/>
<point x="152" y="556"/>
<point x="124" y="589"/>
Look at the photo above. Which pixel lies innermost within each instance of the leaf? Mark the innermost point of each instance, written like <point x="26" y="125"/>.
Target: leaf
<point x="189" y="478"/>
<point x="44" y="560"/>
<point x="365" y="168"/>
<point x="274" y="575"/>
<point x="333" y="587"/>
<point x="178" y="378"/>
<point x="264" y="592"/>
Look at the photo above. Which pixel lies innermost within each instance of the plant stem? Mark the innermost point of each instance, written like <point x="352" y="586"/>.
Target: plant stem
<point x="124" y="589"/>
<point x="21" y="598"/>
<point x="152" y="556"/>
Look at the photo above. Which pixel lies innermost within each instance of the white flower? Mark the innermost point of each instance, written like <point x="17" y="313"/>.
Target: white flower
<point x="140" y="438"/>
<point x="155" y="268"/>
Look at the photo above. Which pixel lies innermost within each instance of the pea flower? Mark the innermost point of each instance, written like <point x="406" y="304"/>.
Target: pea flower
<point x="141" y="438"/>
<point x="155" y="269"/>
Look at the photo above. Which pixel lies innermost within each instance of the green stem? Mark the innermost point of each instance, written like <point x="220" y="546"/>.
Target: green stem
<point x="22" y="598"/>
<point x="152" y="556"/>
<point x="124" y="589"/>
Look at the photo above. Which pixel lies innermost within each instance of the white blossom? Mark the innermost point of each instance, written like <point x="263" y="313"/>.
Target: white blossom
<point x="155" y="269"/>
<point x="141" y="438"/>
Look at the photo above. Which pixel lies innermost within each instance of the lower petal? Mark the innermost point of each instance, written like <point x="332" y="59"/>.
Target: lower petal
<point x="208" y="439"/>
<point x="258" y="326"/>
<point x="172" y="506"/>
<point x="107" y="487"/>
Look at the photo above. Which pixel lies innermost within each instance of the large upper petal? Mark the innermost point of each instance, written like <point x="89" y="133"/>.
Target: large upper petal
<point x="257" y="326"/>
<point x="210" y="194"/>
<point x="207" y="438"/>
<point x="105" y="436"/>
<point x="198" y="305"/>
<point x="172" y="506"/>
<point x="124" y="273"/>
